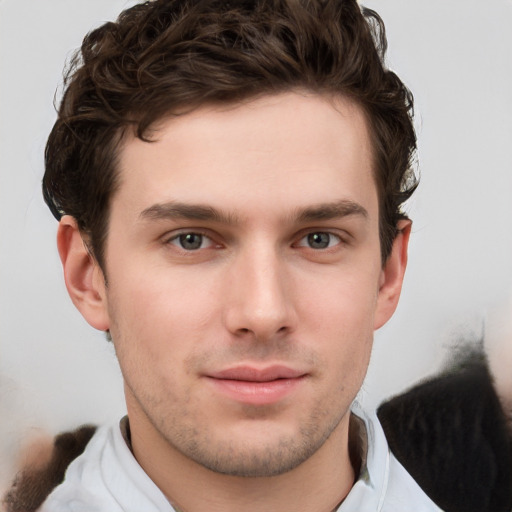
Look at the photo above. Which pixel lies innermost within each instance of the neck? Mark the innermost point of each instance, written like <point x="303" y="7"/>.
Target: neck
<point x="319" y="484"/>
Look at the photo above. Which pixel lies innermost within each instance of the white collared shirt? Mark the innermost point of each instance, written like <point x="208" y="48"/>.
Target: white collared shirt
<point x="384" y="485"/>
<point x="107" y="478"/>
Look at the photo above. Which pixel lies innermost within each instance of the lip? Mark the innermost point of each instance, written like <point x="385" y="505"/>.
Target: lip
<point x="256" y="386"/>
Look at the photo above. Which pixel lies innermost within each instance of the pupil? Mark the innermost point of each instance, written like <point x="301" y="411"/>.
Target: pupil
<point x="191" y="241"/>
<point x="318" y="240"/>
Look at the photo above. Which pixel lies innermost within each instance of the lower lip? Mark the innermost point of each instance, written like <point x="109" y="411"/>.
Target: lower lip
<point x="257" y="393"/>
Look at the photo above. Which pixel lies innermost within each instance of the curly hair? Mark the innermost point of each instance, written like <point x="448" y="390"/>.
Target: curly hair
<point x="164" y="57"/>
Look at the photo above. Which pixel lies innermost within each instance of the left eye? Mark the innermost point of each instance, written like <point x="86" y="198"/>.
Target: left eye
<point x="191" y="241"/>
<point x="319" y="240"/>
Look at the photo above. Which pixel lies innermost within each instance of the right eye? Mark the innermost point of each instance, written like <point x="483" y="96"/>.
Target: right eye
<point x="191" y="241"/>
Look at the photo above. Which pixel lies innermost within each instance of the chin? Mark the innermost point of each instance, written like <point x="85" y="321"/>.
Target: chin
<point x="271" y="459"/>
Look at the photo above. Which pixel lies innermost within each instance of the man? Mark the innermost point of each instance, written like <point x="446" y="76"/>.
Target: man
<point x="228" y="178"/>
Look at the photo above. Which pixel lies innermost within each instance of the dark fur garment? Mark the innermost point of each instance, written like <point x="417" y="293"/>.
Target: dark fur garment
<point x="452" y="436"/>
<point x="31" y="487"/>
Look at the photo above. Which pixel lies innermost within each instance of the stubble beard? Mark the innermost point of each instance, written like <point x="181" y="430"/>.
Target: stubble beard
<point x="238" y="458"/>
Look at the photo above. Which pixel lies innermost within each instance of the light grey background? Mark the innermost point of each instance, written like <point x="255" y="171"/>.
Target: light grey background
<point x="56" y="372"/>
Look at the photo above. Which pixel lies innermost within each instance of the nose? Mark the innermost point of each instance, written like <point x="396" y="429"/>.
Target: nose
<point x="260" y="301"/>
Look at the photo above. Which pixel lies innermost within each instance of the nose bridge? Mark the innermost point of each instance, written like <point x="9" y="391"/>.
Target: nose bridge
<point x="260" y="300"/>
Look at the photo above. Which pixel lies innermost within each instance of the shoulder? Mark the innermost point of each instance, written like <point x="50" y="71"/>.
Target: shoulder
<point x="106" y="476"/>
<point x="403" y="492"/>
<point x="82" y="489"/>
<point x="384" y="484"/>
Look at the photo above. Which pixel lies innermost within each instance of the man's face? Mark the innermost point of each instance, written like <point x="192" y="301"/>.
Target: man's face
<point x="244" y="276"/>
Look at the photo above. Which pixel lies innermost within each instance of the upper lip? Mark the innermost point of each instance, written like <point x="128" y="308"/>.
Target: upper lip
<point x="252" y="374"/>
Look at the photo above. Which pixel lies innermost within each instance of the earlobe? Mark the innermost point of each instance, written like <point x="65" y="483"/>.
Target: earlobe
<point x="392" y="275"/>
<point x="82" y="274"/>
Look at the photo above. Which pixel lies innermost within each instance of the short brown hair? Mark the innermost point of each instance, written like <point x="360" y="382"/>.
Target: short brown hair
<point x="163" y="55"/>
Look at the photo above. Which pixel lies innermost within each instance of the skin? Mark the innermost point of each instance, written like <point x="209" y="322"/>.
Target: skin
<point x="285" y="273"/>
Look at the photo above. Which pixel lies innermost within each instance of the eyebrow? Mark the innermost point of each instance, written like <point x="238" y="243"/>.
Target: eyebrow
<point x="329" y="211"/>
<point x="175" y="210"/>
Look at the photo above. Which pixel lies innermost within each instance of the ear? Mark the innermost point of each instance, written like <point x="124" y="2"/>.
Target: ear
<point x="83" y="276"/>
<point x="392" y="275"/>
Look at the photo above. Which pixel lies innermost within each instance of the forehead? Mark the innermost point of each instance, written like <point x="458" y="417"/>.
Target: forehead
<point x="287" y="151"/>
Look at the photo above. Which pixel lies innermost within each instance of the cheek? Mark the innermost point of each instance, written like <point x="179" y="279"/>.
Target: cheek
<point x="163" y="316"/>
<point x="343" y="302"/>
<point x="341" y="325"/>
